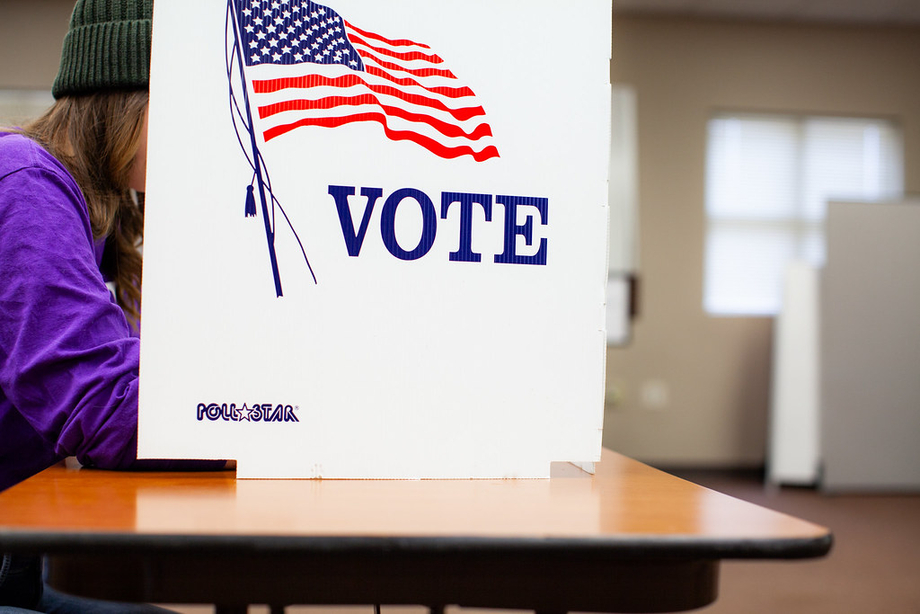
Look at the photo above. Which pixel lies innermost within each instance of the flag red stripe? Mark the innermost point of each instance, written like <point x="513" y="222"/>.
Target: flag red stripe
<point x="305" y="82"/>
<point x="396" y="43"/>
<point x="408" y="57"/>
<point x="268" y="86"/>
<point x="395" y="135"/>
<point x="451" y="92"/>
<point x="445" y="128"/>
<point x="419" y="72"/>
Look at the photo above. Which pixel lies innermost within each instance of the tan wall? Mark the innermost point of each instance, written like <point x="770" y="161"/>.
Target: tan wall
<point x="717" y="370"/>
<point x="31" y="32"/>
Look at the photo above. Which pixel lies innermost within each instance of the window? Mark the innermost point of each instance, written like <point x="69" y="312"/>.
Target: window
<point x="768" y="181"/>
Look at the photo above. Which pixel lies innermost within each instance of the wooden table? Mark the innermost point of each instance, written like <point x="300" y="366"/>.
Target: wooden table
<point x="628" y="539"/>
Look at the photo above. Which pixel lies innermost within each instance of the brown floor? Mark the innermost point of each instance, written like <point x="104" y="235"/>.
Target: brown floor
<point x="873" y="567"/>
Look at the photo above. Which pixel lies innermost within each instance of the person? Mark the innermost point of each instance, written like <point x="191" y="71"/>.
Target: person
<point x="71" y="231"/>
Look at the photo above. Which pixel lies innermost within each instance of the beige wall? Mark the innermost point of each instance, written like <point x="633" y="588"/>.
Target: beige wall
<point x="716" y="370"/>
<point x="31" y="32"/>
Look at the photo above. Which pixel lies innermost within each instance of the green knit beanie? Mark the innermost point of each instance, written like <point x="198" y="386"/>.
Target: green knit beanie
<point x="106" y="48"/>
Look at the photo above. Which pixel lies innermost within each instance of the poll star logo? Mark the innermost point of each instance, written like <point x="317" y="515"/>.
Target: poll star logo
<point x="257" y="412"/>
<point x="295" y="63"/>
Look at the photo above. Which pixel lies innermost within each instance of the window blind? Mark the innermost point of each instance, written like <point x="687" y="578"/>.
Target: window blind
<point x="768" y="181"/>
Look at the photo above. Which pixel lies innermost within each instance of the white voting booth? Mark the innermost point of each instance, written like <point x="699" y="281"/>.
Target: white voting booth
<point x="376" y="236"/>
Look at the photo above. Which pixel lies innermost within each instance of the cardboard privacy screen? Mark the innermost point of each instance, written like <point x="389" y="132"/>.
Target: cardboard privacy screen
<point x="376" y="236"/>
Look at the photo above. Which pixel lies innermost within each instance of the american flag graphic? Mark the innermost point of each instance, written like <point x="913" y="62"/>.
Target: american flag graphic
<point x="307" y="66"/>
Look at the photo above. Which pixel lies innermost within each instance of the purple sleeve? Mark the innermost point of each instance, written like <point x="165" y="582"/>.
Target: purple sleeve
<point x="68" y="359"/>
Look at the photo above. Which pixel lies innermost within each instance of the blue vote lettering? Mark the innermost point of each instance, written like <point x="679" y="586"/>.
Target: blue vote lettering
<point x="514" y="209"/>
<point x="388" y="224"/>
<point x="513" y="229"/>
<point x="354" y="240"/>
<point x="465" y="251"/>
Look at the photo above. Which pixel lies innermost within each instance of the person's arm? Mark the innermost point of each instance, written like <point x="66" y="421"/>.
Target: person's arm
<point x="69" y="360"/>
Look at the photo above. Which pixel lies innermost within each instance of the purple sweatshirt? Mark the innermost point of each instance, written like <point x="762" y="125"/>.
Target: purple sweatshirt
<point x="68" y="358"/>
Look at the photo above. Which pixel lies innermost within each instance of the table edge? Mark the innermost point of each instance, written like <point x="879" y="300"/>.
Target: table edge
<point x="616" y="548"/>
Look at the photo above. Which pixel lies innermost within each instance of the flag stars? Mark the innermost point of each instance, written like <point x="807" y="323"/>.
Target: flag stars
<point x="293" y="31"/>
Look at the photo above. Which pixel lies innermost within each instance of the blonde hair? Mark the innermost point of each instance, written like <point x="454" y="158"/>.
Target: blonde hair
<point x="96" y="137"/>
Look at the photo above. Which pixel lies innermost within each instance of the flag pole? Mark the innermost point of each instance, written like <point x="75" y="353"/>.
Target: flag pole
<point x="256" y="157"/>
